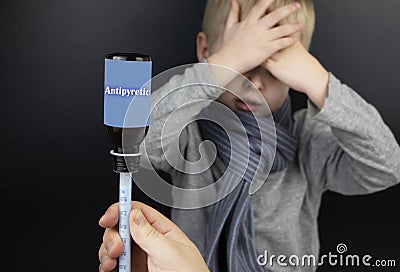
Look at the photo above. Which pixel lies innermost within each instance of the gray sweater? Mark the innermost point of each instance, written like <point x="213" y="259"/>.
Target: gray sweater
<point x="345" y="147"/>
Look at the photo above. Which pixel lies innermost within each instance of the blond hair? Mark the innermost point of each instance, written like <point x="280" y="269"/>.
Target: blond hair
<point x="216" y="14"/>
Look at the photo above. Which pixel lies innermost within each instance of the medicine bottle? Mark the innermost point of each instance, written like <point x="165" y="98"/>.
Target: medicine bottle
<point x="127" y="88"/>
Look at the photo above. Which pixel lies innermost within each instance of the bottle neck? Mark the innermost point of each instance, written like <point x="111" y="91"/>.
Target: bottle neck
<point x="124" y="160"/>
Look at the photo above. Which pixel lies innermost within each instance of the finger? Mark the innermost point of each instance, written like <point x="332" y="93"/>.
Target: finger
<point x="102" y="251"/>
<point x="279" y="14"/>
<point x="296" y="34"/>
<point x="281" y="22"/>
<point x="155" y="218"/>
<point x="147" y="237"/>
<point x="110" y="217"/>
<point x="283" y="31"/>
<point x="107" y="264"/>
<point x="272" y="9"/>
<point x="233" y="17"/>
<point x="113" y="243"/>
<point x="162" y="224"/>
<point x="282" y="43"/>
<point x="259" y="9"/>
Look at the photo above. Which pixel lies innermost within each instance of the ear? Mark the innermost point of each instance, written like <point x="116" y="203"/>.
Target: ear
<point x="202" y="46"/>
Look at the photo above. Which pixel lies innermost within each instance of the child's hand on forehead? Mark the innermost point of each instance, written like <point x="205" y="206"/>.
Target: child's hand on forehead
<point x="298" y="69"/>
<point x="248" y="43"/>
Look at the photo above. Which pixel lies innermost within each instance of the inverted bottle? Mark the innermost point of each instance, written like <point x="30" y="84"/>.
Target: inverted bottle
<point x="127" y="89"/>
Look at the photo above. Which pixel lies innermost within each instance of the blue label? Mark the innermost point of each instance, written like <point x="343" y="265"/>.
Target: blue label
<point x="127" y="90"/>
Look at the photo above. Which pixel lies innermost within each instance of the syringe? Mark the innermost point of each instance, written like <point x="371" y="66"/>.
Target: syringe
<point x="125" y="198"/>
<point x="125" y="190"/>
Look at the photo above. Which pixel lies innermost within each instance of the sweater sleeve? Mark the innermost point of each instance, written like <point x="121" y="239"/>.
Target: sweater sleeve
<point x="174" y="106"/>
<point x="361" y="153"/>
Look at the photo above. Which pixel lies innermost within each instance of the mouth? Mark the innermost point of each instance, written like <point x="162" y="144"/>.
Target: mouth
<point x="246" y="105"/>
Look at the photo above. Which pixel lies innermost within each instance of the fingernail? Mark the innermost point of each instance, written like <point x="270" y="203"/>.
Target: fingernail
<point x="297" y="5"/>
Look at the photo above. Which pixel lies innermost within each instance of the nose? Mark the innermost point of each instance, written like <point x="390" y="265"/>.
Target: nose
<point x="255" y="77"/>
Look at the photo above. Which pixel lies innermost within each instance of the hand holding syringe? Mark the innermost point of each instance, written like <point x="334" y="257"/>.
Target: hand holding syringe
<point x="163" y="246"/>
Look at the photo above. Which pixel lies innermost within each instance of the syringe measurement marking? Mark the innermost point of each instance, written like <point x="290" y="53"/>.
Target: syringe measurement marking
<point x="124" y="228"/>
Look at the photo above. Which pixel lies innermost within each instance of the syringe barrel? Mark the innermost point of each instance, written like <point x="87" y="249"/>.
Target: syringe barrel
<point x="125" y="192"/>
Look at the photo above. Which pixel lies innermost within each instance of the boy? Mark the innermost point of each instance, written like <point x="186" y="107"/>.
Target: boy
<point x="340" y="142"/>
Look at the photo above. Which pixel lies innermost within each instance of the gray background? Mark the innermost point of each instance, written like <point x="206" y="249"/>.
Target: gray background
<point x="56" y="177"/>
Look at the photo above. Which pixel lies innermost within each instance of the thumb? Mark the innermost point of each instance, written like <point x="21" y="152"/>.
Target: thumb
<point x="147" y="237"/>
<point x="233" y="17"/>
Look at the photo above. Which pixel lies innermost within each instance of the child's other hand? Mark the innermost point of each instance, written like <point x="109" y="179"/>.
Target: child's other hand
<point x="248" y="43"/>
<point x="301" y="71"/>
<point x="161" y="242"/>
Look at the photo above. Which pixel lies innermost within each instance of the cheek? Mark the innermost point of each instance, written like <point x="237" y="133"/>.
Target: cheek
<point x="227" y="99"/>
